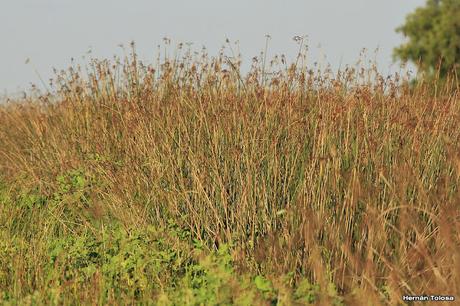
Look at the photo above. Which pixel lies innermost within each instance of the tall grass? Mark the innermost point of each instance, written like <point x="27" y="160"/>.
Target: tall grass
<point x="348" y="180"/>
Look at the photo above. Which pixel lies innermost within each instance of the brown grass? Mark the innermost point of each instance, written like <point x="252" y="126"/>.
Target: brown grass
<point x="347" y="178"/>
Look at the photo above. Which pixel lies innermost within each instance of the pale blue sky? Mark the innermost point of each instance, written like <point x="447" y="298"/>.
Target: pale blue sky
<point x="51" y="32"/>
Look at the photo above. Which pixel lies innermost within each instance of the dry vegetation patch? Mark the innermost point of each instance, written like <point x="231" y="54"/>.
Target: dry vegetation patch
<point x="348" y="181"/>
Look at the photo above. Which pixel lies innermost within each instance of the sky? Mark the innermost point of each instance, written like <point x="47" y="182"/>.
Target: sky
<point x="51" y="32"/>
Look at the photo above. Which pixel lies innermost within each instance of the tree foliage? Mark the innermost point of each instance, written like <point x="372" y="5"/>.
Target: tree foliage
<point x="433" y="37"/>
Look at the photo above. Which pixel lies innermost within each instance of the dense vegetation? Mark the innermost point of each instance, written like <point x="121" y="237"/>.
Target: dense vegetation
<point x="187" y="183"/>
<point x="433" y="38"/>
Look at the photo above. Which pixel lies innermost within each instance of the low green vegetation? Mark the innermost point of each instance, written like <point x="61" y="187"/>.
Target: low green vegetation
<point x="104" y="262"/>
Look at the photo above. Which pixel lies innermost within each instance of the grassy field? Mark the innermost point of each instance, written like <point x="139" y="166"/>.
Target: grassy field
<point x="189" y="183"/>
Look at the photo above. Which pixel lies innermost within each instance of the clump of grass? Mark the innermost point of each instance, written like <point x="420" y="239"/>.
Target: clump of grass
<point x="320" y="186"/>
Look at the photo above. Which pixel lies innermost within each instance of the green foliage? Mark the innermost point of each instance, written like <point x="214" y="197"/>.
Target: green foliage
<point x="306" y="292"/>
<point x="149" y="266"/>
<point x="433" y="34"/>
<point x="123" y="264"/>
<point x="265" y="286"/>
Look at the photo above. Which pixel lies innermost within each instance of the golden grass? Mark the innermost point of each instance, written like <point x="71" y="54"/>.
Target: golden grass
<point x="347" y="178"/>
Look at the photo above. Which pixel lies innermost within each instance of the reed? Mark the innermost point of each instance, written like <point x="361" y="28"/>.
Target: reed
<point x="344" y="180"/>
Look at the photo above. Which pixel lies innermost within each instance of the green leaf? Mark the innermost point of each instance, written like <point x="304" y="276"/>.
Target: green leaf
<point x="263" y="284"/>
